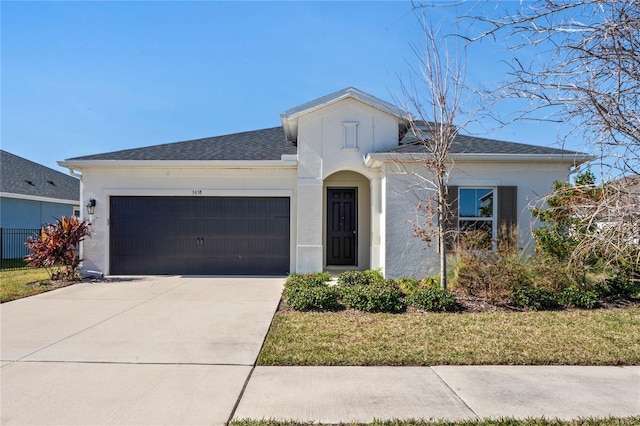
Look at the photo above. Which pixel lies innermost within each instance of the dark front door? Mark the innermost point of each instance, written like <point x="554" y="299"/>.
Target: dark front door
<point x="341" y="226"/>
<point x="199" y="235"/>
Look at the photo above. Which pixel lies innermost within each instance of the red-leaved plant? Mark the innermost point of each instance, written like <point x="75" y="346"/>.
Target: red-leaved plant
<point x="56" y="249"/>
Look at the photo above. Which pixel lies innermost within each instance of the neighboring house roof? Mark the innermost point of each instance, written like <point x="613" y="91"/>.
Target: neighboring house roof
<point x="290" y="117"/>
<point x="27" y="179"/>
<point x="631" y="182"/>
<point x="265" y="144"/>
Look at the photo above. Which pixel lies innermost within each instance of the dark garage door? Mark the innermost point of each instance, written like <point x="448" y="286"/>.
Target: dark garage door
<point x="199" y="235"/>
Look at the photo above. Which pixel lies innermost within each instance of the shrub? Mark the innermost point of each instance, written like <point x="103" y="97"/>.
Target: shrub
<point x="367" y="277"/>
<point x="562" y="229"/>
<point x="310" y="292"/>
<point x="534" y="298"/>
<point x="432" y="299"/>
<point x="56" y="249"/>
<point x="579" y="298"/>
<point x="378" y="297"/>
<point x="550" y="274"/>
<point x="408" y="285"/>
<point x="430" y="282"/>
<point x="316" y="278"/>
<point x="617" y="288"/>
<point x="489" y="275"/>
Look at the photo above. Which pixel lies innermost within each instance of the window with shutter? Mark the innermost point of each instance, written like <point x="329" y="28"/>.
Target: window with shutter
<point x="476" y="216"/>
<point x="508" y="214"/>
<point x="489" y="213"/>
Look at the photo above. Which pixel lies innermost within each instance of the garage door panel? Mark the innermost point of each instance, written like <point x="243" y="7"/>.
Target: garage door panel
<point x="199" y="235"/>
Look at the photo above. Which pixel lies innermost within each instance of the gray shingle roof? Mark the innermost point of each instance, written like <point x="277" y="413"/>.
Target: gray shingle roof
<point x="265" y="144"/>
<point x="21" y="176"/>
<point x="271" y="144"/>
<point x="464" y="144"/>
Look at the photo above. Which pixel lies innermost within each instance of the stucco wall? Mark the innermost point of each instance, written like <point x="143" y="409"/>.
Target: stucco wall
<point x="323" y="151"/>
<point x="408" y="256"/>
<point x="321" y="138"/>
<point x="101" y="183"/>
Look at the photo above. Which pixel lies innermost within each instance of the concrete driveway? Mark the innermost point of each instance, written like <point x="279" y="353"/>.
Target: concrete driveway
<point x="151" y="350"/>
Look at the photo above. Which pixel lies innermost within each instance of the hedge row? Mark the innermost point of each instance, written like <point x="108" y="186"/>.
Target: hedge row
<point x="369" y="291"/>
<point x="366" y="291"/>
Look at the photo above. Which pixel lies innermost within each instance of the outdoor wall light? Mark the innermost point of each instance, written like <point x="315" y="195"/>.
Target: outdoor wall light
<point x="91" y="206"/>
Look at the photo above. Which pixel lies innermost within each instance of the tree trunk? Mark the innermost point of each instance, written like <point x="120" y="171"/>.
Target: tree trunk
<point x="442" y="244"/>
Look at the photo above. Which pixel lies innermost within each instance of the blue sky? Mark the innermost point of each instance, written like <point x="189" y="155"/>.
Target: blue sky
<point x="80" y="78"/>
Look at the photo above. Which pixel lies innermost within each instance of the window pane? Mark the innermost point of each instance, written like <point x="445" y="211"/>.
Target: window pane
<point x="476" y="202"/>
<point x="477" y="234"/>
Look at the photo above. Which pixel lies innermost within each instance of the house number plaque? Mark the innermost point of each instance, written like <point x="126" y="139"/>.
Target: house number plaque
<point x="196" y="192"/>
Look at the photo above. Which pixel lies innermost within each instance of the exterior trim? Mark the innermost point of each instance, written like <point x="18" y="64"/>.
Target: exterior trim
<point x="115" y="192"/>
<point x="38" y="198"/>
<point x="191" y="164"/>
<point x="375" y="160"/>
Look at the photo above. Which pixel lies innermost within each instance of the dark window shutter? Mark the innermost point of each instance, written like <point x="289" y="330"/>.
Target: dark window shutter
<point x="507" y="213"/>
<point x="451" y="217"/>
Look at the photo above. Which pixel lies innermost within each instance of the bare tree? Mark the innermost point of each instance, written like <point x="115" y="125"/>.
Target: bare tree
<point x="590" y="83"/>
<point x="433" y="98"/>
<point x="591" y="79"/>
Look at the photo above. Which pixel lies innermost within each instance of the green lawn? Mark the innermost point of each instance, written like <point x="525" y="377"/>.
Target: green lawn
<point x="627" y="421"/>
<point x="16" y="284"/>
<point x="574" y="337"/>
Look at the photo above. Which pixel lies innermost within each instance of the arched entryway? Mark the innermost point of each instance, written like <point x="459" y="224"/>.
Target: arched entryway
<point x="347" y="221"/>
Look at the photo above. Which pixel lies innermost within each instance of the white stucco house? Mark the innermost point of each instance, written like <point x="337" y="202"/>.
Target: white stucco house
<point x="321" y="191"/>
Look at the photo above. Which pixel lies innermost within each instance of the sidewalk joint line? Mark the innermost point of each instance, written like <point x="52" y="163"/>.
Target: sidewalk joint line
<point x="255" y="363"/>
<point x="237" y="403"/>
<point x="455" y="393"/>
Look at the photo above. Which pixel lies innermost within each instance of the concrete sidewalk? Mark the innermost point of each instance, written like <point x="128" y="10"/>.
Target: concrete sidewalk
<point x="362" y="394"/>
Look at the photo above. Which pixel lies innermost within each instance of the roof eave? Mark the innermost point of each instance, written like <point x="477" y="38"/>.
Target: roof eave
<point x="249" y="164"/>
<point x="38" y="198"/>
<point x="376" y="159"/>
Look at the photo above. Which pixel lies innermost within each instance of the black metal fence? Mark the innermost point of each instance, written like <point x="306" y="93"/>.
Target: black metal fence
<point x="13" y="248"/>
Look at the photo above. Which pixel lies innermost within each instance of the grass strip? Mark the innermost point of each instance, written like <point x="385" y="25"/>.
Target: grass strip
<point x="611" y="421"/>
<point x="17" y="284"/>
<point x="577" y="337"/>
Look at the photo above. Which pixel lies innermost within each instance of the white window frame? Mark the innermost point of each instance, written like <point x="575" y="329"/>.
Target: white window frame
<point x="494" y="213"/>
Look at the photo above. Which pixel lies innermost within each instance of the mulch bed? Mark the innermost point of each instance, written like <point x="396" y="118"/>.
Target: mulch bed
<point x="51" y="284"/>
